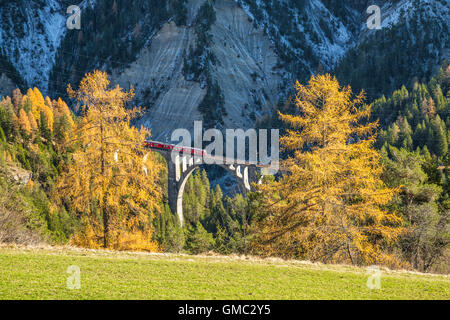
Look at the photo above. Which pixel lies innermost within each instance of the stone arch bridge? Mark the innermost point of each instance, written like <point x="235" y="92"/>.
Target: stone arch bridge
<point x="184" y="163"/>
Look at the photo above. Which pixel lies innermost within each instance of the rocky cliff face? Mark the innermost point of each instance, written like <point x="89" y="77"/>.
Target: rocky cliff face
<point x="159" y="83"/>
<point x="245" y="68"/>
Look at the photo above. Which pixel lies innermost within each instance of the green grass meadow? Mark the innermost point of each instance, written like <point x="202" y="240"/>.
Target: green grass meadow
<point x="40" y="273"/>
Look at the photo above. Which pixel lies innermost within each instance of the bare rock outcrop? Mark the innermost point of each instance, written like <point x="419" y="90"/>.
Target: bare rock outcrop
<point x="159" y="82"/>
<point x="19" y="175"/>
<point x="245" y="71"/>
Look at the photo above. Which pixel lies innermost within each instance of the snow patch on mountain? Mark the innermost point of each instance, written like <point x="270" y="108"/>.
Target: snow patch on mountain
<point x="395" y="13"/>
<point x="31" y="45"/>
<point x="333" y="48"/>
<point x="30" y="34"/>
<point x="309" y="31"/>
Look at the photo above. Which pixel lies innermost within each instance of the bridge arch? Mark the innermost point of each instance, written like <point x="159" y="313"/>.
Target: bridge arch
<point x="240" y="178"/>
<point x="180" y="193"/>
<point x="182" y="166"/>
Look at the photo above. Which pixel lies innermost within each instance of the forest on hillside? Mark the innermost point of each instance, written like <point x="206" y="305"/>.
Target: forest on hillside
<point x="43" y="143"/>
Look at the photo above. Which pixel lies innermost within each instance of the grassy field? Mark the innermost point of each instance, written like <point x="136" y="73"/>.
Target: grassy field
<point x="41" y="273"/>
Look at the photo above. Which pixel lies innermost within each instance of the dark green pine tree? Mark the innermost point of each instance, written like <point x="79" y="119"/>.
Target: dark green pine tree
<point x="168" y="233"/>
<point x="43" y="127"/>
<point x="418" y="202"/>
<point x="198" y="240"/>
<point x="440" y="137"/>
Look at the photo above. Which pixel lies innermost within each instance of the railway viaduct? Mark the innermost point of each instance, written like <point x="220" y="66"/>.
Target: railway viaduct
<point x="182" y="165"/>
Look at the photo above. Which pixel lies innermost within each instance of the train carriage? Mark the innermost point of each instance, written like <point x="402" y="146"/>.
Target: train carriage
<point x="170" y="147"/>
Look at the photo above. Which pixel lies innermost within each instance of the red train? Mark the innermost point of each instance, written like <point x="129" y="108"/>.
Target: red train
<point x="170" y="147"/>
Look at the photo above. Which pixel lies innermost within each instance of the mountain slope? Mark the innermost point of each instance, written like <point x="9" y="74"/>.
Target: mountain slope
<point x="305" y="33"/>
<point x="413" y="42"/>
<point x="242" y="63"/>
<point x="227" y="62"/>
<point x="30" y="34"/>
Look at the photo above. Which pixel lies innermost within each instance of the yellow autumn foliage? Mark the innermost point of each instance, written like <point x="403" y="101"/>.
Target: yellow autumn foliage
<point x="106" y="182"/>
<point x="40" y="105"/>
<point x="24" y="123"/>
<point x="61" y="109"/>
<point x="33" y="123"/>
<point x="328" y="205"/>
<point x="48" y="115"/>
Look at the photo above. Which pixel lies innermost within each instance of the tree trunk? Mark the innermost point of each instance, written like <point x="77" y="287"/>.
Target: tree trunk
<point x="104" y="209"/>
<point x="105" y="227"/>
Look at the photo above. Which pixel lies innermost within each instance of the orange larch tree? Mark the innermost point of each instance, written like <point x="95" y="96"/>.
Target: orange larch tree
<point x="112" y="180"/>
<point x="328" y="205"/>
